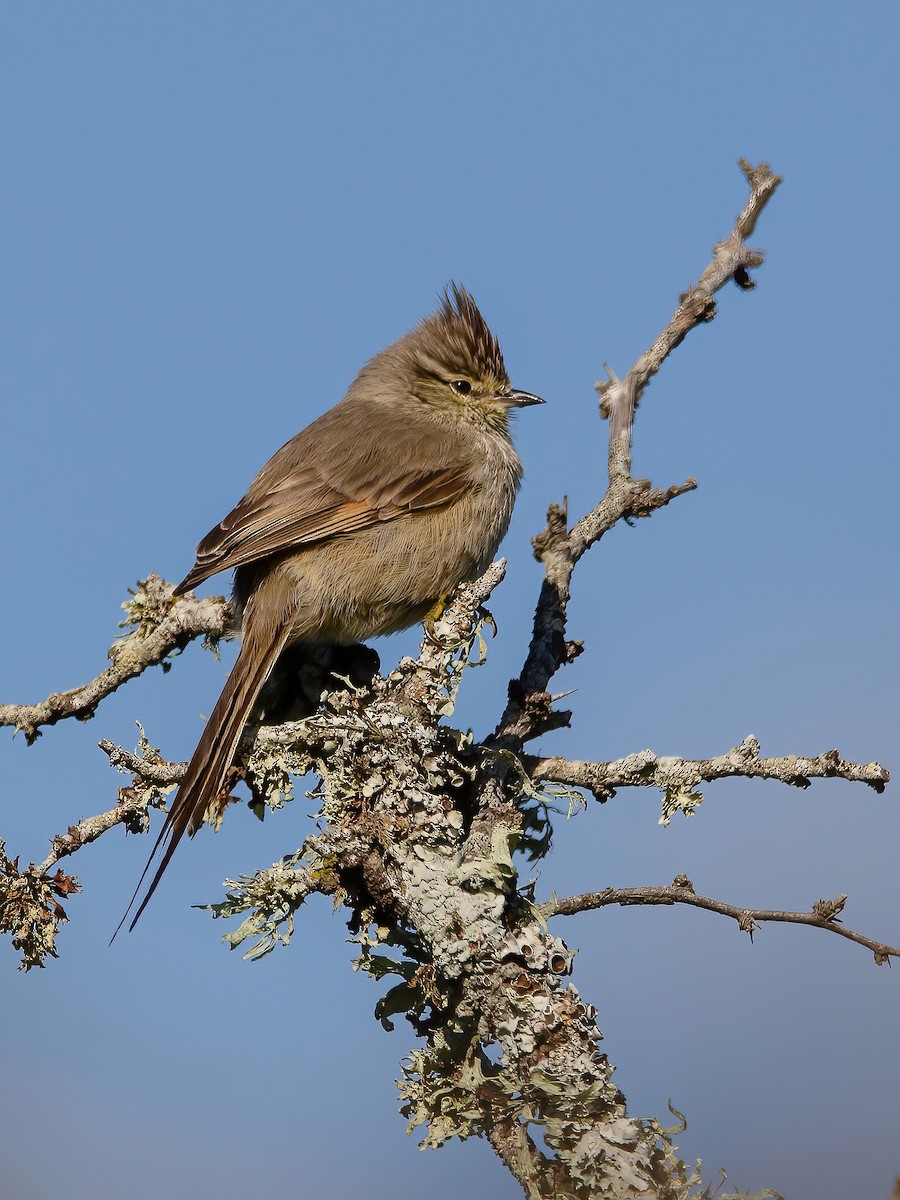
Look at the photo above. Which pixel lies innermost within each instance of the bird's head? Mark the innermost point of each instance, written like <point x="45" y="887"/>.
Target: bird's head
<point x="452" y="362"/>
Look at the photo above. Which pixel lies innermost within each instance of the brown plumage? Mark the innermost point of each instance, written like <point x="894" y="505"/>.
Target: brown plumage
<point x="361" y="523"/>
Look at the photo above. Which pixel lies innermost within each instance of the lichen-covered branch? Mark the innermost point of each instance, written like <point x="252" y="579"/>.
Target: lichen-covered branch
<point x="419" y="829"/>
<point x="130" y="811"/>
<point x="430" y="682"/>
<point x="271" y="897"/>
<point x="29" y="908"/>
<point x="824" y="914"/>
<point x="150" y="769"/>
<point x="681" y="775"/>
<point x="162" y="626"/>
<point x="401" y="796"/>
<point x="30" y="911"/>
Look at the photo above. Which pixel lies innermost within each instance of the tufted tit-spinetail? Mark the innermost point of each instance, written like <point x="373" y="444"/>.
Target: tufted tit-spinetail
<point x="360" y="524"/>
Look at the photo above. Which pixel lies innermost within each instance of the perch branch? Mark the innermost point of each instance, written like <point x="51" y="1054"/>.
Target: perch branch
<point x="423" y="681"/>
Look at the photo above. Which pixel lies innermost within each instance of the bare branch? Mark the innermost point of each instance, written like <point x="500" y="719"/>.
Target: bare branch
<point x="731" y="260"/>
<point x="164" y="626"/>
<point x="560" y="549"/>
<point x="824" y="914"/>
<point x="646" y="769"/>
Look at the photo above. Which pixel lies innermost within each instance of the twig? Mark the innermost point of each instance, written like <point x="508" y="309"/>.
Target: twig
<point x="731" y="260"/>
<point x="130" y="811"/>
<point x="822" y="915"/>
<point x="154" y="770"/>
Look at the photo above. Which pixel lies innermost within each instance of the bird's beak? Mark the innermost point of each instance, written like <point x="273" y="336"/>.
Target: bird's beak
<point x="515" y="399"/>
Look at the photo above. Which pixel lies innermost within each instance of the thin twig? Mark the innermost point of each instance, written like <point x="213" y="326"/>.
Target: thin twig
<point x="731" y="260"/>
<point x="130" y="811"/>
<point x="822" y="915"/>
<point x="153" y="770"/>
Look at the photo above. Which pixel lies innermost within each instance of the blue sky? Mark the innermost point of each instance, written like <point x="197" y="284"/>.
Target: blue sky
<point x="212" y="215"/>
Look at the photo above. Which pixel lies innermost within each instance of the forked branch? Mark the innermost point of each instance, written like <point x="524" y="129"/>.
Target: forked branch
<point x="560" y="548"/>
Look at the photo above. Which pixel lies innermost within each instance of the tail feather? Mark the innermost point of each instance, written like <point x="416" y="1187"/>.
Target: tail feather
<point x="204" y="780"/>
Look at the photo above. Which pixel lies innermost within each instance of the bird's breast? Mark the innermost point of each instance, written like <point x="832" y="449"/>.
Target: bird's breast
<point x="386" y="577"/>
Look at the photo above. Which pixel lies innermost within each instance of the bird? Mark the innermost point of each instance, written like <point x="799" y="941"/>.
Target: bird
<point x="361" y="525"/>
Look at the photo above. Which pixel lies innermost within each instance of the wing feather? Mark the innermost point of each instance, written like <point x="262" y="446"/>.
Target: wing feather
<point x="301" y="508"/>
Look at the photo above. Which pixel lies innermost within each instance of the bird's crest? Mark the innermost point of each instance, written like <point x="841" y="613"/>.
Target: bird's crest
<point x="465" y="325"/>
<point x="458" y="339"/>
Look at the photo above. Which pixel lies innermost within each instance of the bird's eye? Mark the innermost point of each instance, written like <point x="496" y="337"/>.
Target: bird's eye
<point x="462" y="386"/>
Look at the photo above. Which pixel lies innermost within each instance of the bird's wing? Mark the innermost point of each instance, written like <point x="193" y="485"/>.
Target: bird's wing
<point x="302" y="508"/>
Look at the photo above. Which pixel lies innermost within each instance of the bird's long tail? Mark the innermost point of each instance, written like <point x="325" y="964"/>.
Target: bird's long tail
<point x="204" y="782"/>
